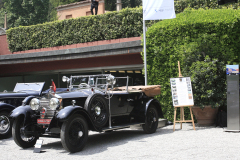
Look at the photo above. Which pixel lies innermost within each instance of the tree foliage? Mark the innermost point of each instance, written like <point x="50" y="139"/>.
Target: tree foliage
<point x="26" y="12"/>
<point x="110" y="5"/>
<point x="63" y="2"/>
<point x="1" y="4"/>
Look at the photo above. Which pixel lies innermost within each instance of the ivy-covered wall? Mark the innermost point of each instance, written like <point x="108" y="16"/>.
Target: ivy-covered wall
<point x="194" y="36"/>
<point x="112" y="25"/>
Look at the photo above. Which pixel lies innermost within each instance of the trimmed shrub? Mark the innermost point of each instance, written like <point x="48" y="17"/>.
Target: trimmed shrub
<point x="208" y="81"/>
<point x="112" y="25"/>
<point x="189" y="38"/>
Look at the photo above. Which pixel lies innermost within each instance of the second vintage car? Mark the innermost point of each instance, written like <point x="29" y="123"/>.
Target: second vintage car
<point x="92" y="102"/>
<point x="9" y="100"/>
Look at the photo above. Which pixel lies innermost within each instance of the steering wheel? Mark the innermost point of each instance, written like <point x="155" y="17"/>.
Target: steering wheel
<point x="83" y="85"/>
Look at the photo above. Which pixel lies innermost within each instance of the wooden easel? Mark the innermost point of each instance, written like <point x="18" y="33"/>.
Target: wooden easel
<point x="182" y="119"/>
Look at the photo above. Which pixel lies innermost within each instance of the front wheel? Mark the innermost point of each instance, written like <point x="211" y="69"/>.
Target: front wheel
<point x="18" y="134"/>
<point x="5" y="125"/>
<point x="74" y="133"/>
<point x="151" y="120"/>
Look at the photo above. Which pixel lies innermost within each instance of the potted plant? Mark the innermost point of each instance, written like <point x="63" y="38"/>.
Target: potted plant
<point x="209" y="89"/>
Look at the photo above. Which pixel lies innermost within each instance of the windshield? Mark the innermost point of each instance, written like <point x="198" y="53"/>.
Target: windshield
<point x="78" y="81"/>
<point x="99" y="81"/>
<point x="24" y="87"/>
<point x="88" y="80"/>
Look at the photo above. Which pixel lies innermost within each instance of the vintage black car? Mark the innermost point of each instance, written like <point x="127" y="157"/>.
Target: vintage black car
<point x="93" y="102"/>
<point x="11" y="100"/>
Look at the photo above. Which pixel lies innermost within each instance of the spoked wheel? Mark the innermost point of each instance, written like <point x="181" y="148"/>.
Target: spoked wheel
<point x="18" y="134"/>
<point x="5" y="125"/>
<point x="151" y="120"/>
<point x="98" y="110"/>
<point x="74" y="134"/>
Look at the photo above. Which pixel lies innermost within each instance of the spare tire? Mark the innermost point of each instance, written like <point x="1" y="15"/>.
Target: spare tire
<point x="98" y="110"/>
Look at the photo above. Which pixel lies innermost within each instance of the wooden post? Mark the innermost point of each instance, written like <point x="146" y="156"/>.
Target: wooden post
<point x="175" y="113"/>
<point x="5" y="21"/>
<point x="192" y="118"/>
<point x="179" y="70"/>
<point x="182" y="119"/>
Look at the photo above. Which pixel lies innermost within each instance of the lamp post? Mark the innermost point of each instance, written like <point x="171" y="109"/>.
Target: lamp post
<point x="5" y="22"/>
<point x="119" y="5"/>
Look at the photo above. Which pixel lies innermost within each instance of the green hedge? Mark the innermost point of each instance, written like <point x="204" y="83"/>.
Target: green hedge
<point x="112" y="25"/>
<point x="189" y="38"/>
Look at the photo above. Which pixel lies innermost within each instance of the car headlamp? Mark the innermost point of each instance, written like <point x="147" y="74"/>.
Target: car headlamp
<point x="111" y="80"/>
<point x="65" y="79"/>
<point x="35" y="104"/>
<point x="54" y="103"/>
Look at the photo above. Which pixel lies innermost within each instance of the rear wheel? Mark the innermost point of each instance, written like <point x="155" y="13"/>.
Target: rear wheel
<point x="151" y="120"/>
<point x="18" y="134"/>
<point x="74" y="133"/>
<point x="5" y="125"/>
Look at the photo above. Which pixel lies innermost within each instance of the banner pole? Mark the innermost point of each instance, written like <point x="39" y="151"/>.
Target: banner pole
<point x="145" y="51"/>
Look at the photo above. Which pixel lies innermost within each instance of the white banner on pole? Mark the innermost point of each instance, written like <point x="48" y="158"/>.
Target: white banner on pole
<point x="158" y="9"/>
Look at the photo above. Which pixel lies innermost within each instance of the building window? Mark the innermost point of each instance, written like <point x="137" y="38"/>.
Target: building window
<point x="68" y="16"/>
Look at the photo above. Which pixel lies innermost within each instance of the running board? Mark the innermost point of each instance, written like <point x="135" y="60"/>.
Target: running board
<point x="120" y="127"/>
<point x="161" y="123"/>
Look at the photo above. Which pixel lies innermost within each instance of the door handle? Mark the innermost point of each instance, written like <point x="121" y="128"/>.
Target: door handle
<point x="130" y="100"/>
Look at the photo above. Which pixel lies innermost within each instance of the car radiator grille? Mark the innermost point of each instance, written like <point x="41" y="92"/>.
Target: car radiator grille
<point x="44" y="103"/>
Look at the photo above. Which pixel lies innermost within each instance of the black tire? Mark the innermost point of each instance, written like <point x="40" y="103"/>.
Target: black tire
<point x="5" y="125"/>
<point x="20" y="139"/>
<point x="98" y="110"/>
<point x="74" y="133"/>
<point x="151" y="120"/>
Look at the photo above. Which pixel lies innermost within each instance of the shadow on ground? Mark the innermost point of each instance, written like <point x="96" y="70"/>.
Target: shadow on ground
<point x="100" y="142"/>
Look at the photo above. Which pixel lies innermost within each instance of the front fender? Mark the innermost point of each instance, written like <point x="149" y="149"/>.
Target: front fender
<point x="25" y="111"/>
<point x="6" y="107"/>
<point x="157" y="105"/>
<point x="66" y="112"/>
<point x="27" y="100"/>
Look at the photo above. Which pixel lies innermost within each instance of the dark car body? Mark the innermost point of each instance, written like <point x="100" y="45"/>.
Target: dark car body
<point x="10" y="100"/>
<point x="92" y="102"/>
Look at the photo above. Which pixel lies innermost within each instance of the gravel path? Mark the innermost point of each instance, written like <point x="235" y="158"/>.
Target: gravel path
<point x="204" y="143"/>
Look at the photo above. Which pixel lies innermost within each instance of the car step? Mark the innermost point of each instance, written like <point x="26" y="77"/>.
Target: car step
<point x="161" y="123"/>
<point x="120" y="126"/>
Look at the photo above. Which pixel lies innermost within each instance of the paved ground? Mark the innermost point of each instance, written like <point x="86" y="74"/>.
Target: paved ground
<point x="204" y="143"/>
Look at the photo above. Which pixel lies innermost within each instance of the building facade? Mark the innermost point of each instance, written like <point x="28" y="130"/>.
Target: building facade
<point x="120" y="57"/>
<point x="78" y="9"/>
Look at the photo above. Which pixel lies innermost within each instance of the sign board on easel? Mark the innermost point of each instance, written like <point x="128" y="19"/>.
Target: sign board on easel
<point x="182" y="96"/>
<point x="181" y="91"/>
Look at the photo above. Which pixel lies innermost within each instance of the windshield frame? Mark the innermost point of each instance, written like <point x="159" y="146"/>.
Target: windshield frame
<point x="95" y="82"/>
<point x="29" y="87"/>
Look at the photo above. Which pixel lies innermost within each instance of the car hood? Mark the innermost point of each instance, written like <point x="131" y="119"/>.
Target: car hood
<point x="17" y="94"/>
<point x="77" y="93"/>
